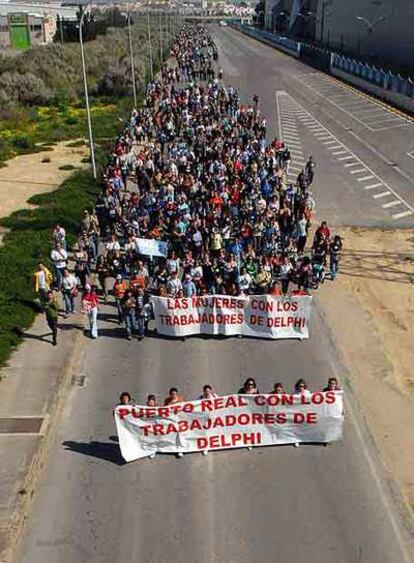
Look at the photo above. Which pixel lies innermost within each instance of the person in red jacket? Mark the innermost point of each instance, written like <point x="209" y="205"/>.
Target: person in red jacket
<point x="90" y="304"/>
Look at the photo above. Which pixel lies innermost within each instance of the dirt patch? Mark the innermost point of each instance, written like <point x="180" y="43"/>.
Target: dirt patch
<point x="27" y="175"/>
<point x="370" y="309"/>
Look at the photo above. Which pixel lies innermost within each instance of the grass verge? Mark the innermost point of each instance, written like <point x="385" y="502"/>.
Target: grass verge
<point x="27" y="241"/>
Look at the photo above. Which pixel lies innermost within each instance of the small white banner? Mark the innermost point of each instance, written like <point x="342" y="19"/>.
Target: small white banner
<point x="151" y="247"/>
<point x="235" y="421"/>
<point x="265" y="316"/>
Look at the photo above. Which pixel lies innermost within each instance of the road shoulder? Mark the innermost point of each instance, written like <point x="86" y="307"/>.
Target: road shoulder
<point x="33" y="386"/>
<point x="370" y="310"/>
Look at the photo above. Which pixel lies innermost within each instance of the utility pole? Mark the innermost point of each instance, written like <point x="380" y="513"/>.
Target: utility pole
<point x="131" y="58"/>
<point x="85" y="85"/>
<point x="150" y="45"/>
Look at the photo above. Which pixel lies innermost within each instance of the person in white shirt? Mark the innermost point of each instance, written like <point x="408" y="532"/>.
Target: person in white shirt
<point x="174" y="285"/>
<point x="59" y="257"/>
<point x="113" y="245"/>
<point x="69" y="291"/>
<point x="244" y="281"/>
<point x="285" y="272"/>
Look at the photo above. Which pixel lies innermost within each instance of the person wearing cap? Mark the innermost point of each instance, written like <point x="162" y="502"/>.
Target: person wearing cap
<point x="118" y="291"/>
<point x="90" y="304"/>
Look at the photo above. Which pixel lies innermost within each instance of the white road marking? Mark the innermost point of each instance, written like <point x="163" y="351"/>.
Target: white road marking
<point x="339" y="152"/>
<point x="349" y="164"/>
<point x="403" y="214"/>
<point x="373" y="186"/>
<point x="410" y="208"/>
<point x="365" y="178"/>
<point x="382" y="194"/>
<point x="411" y="154"/>
<point x="341" y="108"/>
<point x="391" y="204"/>
<point x="345" y="158"/>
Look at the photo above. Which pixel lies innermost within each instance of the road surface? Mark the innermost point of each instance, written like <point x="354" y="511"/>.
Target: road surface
<point x="284" y="504"/>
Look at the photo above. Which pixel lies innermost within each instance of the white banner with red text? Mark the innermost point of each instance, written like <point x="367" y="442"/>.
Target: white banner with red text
<point x="235" y="421"/>
<point x="264" y="316"/>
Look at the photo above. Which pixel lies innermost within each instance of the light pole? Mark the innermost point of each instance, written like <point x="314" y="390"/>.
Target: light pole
<point x="150" y="45"/>
<point x="369" y="27"/>
<point x="85" y="85"/>
<point x="160" y="28"/>
<point x="327" y="3"/>
<point x="131" y="56"/>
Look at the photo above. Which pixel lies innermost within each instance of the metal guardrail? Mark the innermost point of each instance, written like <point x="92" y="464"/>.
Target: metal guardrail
<point x="324" y="58"/>
<point x="377" y="76"/>
<point x="289" y="44"/>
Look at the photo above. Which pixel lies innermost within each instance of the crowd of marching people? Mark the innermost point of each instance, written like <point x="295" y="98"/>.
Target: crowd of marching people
<point x="192" y="169"/>
<point x="249" y="387"/>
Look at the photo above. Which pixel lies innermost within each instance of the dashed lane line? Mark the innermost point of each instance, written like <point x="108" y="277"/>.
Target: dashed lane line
<point x="381" y="195"/>
<point x="391" y="204"/>
<point x="365" y="178"/>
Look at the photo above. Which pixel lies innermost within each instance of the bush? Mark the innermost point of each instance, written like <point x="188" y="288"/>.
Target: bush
<point x="22" y="142"/>
<point x="27" y="242"/>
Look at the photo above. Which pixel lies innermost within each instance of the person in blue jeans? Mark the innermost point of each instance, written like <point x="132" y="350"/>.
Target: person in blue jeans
<point x="128" y="304"/>
<point x="335" y="250"/>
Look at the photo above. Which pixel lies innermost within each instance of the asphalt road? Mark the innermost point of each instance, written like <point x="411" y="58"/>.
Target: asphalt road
<point x="284" y="504"/>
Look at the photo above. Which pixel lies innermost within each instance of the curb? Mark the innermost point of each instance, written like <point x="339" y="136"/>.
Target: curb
<point x="13" y="532"/>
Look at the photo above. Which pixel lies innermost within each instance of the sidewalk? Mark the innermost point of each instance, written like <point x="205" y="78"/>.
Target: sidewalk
<point x="31" y="385"/>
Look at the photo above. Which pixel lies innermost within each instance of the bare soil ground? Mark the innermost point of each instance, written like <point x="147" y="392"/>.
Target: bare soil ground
<point x="27" y="175"/>
<point x="370" y="308"/>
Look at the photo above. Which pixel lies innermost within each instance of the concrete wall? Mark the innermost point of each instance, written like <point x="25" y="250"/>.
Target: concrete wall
<point x="391" y="40"/>
<point x="396" y="99"/>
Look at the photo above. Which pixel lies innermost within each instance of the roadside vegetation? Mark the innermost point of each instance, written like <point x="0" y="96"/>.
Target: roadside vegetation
<point x="41" y="90"/>
<point x="41" y="103"/>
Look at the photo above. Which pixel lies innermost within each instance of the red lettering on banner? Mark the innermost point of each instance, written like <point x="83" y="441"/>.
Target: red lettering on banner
<point x="330" y="397"/>
<point x="260" y="400"/>
<point x="218" y="403"/>
<point x="157" y="429"/>
<point x="122" y="413"/>
<point x="183" y="426"/>
<point x="218" y="422"/>
<point x="304" y="399"/>
<point x="223" y="441"/>
<point x="188" y="407"/>
<point x="163" y="412"/>
<point x="281" y="418"/>
<point x="257" y="418"/>
<point x="317" y="398"/>
<point x="206" y="405"/>
<point x="288" y="400"/>
<point x="241" y="402"/>
<point x="311" y="418"/>
<point x="298" y="418"/>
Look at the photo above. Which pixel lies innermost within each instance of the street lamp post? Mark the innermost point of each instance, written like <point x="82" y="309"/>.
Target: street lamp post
<point x="131" y="56"/>
<point x="160" y="28"/>
<point x="150" y="45"/>
<point x="85" y="85"/>
<point x="327" y="3"/>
